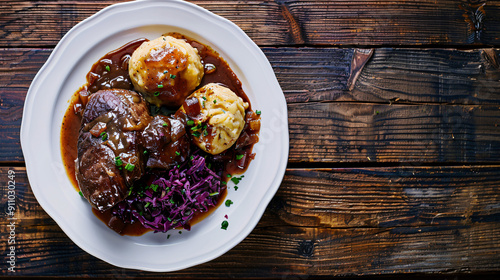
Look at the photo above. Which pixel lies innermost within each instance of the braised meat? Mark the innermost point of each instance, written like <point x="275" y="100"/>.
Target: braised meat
<point x="110" y="156"/>
<point x="166" y="141"/>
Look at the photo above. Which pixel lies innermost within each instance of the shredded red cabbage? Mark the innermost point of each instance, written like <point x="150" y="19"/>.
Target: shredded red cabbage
<point x="173" y="198"/>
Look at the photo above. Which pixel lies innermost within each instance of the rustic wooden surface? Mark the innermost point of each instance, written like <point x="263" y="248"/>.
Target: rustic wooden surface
<point x="394" y="115"/>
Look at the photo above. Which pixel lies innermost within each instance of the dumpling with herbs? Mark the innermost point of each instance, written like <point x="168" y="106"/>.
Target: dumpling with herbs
<point x="217" y="117"/>
<point x="165" y="70"/>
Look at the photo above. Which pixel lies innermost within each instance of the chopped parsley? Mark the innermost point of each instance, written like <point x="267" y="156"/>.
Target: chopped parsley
<point x="224" y="225"/>
<point x="197" y="127"/>
<point x="177" y="153"/>
<point x="118" y="161"/>
<point x="164" y="124"/>
<point x="228" y="202"/>
<point x="172" y="76"/>
<point x="80" y="193"/>
<point x="104" y="136"/>
<point x="160" y="86"/>
<point x="108" y="68"/>
<point x="236" y="180"/>
<point x="238" y="157"/>
<point x="258" y="112"/>
<point x="129" y="167"/>
<point x="153" y="187"/>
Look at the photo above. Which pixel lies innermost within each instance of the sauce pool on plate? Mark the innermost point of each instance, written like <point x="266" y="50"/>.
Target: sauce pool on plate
<point x="111" y="71"/>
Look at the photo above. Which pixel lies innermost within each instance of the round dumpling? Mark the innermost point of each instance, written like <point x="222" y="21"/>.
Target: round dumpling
<point x="165" y="70"/>
<point x="217" y="115"/>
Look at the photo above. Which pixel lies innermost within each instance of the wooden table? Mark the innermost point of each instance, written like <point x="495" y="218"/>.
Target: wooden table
<point x="394" y="114"/>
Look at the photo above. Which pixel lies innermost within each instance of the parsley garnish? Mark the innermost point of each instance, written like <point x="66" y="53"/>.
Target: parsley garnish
<point x="224" y="225"/>
<point x="228" y="202"/>
<point x="236" y="180"/>
<point x="104" y="136"/>
<point x="130" y="167"/>
<point x="118" y="161"/>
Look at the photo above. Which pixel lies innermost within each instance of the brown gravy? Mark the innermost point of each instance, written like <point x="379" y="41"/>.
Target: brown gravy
<point x="111" y="71"/>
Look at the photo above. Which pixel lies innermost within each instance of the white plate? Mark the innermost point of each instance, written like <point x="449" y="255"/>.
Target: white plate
<point x="64" y="72"/>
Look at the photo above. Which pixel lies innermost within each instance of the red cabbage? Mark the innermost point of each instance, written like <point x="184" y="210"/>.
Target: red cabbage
<point x="174" y="197"/>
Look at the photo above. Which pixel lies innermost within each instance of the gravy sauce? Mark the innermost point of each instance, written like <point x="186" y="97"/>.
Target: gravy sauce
<point x="111" y="71"/>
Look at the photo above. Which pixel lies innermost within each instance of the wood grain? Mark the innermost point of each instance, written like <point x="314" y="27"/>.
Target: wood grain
<point x="322" y="74"/>
<point x="412" y="105"/>
<point x="361" y="221"/>
<point x="288" y="22"/>
<point x="390" y="76"/>
<point x="346" y="132"/>
<point x="426" y="105"/>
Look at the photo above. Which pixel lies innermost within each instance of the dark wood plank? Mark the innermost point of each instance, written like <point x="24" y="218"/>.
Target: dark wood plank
<point x="390" y="76"/>
<point x="407" y="111"/>
<point x="346" y="132"/>
<point x="286" y="22"/>
<point x="405" y="196"/>
<point x="17" y="70"/>
<point x="361" y="221"/>
<point x="322" y="74"/>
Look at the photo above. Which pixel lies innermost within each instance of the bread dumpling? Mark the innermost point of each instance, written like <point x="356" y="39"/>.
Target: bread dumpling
<point x="217" y="117"/>
<point x="165" y="70"/>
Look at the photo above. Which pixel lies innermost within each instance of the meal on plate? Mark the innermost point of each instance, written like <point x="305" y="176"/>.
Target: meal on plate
<point x="153" y="137"/>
